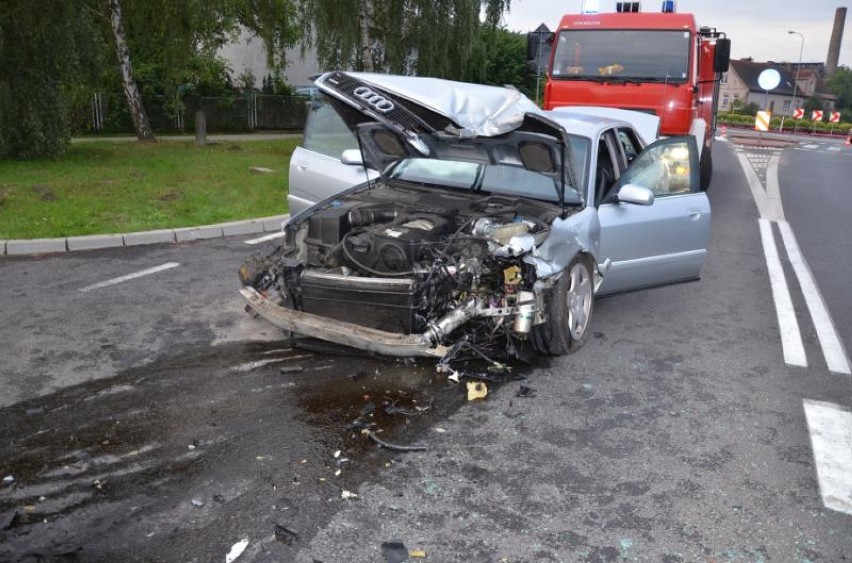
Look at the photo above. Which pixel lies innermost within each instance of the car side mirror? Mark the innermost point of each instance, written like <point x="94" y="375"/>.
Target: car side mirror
<point x="352" y="156"/>
<point x="637" y="195"/>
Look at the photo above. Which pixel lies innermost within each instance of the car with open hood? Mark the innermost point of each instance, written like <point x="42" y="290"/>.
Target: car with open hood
<point x="481" y="223"/>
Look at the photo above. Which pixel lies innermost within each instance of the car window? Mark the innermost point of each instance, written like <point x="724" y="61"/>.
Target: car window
<point x="490" y="178"/>
<point x="665" y="169"/>
<point x="580" y="152"/>
<point x="606" y="171"/>
<point x="325" y="131"/>
<point x="629" y="143"/>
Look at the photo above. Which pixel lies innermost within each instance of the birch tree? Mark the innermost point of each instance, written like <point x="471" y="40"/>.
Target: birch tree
<point x="131" y="91"/>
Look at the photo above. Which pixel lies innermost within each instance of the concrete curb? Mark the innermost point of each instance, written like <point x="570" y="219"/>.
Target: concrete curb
<point x="163" y="236"/>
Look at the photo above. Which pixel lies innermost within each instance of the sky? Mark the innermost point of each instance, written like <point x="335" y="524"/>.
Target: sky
<point x="757" y="28"/>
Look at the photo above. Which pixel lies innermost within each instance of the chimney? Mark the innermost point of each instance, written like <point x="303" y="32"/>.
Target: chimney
<point x="836" y="39"/>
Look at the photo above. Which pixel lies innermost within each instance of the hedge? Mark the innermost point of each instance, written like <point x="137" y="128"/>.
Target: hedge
<point x="739" y="120"/>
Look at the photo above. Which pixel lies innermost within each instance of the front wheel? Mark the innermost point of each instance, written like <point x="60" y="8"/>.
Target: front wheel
<point x="569" y="311"/>
<point x="705" y="168"/>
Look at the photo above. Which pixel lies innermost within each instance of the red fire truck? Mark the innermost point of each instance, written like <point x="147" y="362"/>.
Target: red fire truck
<point x="654" y="62"/>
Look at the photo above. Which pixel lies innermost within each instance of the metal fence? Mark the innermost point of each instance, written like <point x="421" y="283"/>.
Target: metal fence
<point x="108" y="113"/>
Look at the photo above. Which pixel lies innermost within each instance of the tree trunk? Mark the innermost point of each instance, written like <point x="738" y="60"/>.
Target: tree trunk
<point x="131" y="92"/>
<point x="365" y="21"/>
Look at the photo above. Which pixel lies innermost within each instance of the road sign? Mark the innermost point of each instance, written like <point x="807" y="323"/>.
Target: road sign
<point x="835" y="117"/>
<point x="798" y="113"/>
<point x="816" y="115"/>
<point x="761" y="121"/>
<point x="769" y="79"/>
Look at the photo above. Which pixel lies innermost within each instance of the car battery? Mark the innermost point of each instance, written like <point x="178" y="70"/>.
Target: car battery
<point x="382" y="303"/>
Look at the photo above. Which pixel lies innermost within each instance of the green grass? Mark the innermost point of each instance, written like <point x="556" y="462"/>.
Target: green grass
<point x="119" y="187"/>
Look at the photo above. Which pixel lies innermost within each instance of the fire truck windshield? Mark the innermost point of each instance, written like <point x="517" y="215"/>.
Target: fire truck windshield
<point x="622" y="55"/>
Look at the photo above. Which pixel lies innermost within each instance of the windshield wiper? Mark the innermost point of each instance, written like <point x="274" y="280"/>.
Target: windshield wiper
<point x="668" y="80"/>
<point x="612" y="79"/>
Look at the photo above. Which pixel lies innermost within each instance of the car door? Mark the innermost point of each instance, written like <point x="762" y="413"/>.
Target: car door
<point x="660" y="243"/>
<point x="316" y="170"/>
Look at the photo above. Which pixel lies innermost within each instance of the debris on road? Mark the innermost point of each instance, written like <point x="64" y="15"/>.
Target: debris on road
<point x="476" y="390"/>
<point x="7" y="519"/>
<point x="285" y="535"/>
<point x="415" y="448"/>
<point x="394" y="552"/>
<point x="417" y="554"/>
<point x="197" y="503"/>
<point x="526" y="392"/>
<point x="8" y="479"/>
<point x="348" y="495"/>
<point x="236" y="550"/>
<point x="261" y="170"/>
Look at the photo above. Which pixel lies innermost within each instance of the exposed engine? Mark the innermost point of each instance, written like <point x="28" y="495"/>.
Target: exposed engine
<point x="426" y="266"/>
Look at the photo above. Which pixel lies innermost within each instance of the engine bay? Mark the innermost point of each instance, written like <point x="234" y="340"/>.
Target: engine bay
<point x="413" y="261"/>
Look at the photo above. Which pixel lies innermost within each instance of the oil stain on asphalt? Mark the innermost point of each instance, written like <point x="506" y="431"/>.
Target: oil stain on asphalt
<point x="183" y="457"/>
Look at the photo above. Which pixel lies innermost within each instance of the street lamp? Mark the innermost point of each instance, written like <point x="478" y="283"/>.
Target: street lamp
<point x="798" y="70"/>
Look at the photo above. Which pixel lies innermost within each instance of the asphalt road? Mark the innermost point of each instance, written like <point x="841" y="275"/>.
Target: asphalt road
<point x="150" y="420"/>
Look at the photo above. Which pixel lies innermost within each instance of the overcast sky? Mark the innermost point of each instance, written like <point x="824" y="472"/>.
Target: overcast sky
<point x="757" y="28"/>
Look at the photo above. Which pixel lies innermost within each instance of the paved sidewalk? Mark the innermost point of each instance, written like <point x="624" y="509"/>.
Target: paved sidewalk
<point x="185" y="234"/>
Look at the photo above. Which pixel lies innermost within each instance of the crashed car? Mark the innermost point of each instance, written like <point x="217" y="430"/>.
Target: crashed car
<point x="491" y="224"/>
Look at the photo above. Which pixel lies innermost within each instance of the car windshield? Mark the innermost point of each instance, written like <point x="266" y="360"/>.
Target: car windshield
<point x="622" y="55"/>
<point x="479" y="177"/>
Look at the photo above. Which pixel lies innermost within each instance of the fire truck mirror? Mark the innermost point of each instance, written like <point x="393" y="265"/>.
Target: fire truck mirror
<point x="722" y="57"/>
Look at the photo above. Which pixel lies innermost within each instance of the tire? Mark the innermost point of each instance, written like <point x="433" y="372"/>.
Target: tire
<point x="569" y="311"/>
<point x="705" y="168"/>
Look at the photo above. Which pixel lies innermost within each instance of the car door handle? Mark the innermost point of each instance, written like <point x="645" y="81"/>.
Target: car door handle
<point x="695" y="214"/>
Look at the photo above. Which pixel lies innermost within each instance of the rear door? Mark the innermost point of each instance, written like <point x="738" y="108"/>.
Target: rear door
<point x="666" y="241"/>
<point x="316" y="171"/>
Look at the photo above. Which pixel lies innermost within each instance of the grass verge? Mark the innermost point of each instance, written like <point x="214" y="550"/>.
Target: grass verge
<point x="119" y="187"/>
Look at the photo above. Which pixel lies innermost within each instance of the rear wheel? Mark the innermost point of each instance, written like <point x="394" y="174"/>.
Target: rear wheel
<point x="569" y="311"/>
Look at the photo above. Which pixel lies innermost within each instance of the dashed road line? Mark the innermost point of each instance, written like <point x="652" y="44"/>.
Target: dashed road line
<point x="832" y="347"/>
<point x="831" y="439"/>
<point x="128" y="277"/>
<point x="265" y="238"/>
<point x="788" y="325"/>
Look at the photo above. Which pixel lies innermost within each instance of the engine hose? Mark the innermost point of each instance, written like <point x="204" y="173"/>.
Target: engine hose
<point x="367" y="268"/>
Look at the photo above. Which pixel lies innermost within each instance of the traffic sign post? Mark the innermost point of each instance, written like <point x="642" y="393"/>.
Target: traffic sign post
<point x="816" y="115"/>
<point x="769" y="79"/>
<point x="761" y="121"/>
<point x="834" y="117"/>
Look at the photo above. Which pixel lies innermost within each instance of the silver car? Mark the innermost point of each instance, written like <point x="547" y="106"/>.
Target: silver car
<point x="480" y="222"/>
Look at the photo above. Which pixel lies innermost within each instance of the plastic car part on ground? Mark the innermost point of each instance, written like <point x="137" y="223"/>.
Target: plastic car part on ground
<point x="476" y="390"/>
<point x="236" y="550"/>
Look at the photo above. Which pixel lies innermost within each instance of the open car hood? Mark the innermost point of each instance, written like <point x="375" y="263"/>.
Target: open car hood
<point x="472" y="110"/>
<point x="397" y="117"/>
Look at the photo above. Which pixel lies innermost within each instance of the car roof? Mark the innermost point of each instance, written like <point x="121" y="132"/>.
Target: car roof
<point x="584" y="125"/>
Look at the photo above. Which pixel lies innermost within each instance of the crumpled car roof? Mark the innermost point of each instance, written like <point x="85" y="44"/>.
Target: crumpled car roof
<point x="476" y="109"/>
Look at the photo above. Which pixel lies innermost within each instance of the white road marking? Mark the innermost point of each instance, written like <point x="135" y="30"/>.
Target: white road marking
<point x="756" y="186"/>
<point x="265" y="238"/>
<point x="831" y="438"/>
<point x="834" y="149"/>
<point x="773" y="191"/>
<point x="788" y="325"/>
<point x="129" y="277"/>
<point x="832" y="347"/>
<point x="811" y="146"/>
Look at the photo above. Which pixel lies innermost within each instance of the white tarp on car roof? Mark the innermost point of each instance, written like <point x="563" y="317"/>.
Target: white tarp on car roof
<point x="477" y="109"/>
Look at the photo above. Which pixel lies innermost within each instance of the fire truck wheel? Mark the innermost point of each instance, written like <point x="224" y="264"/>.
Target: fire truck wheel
<point x="705" y="168"/>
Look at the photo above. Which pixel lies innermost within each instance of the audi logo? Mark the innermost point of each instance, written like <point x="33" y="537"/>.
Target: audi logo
<point x="379" y="102"/>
